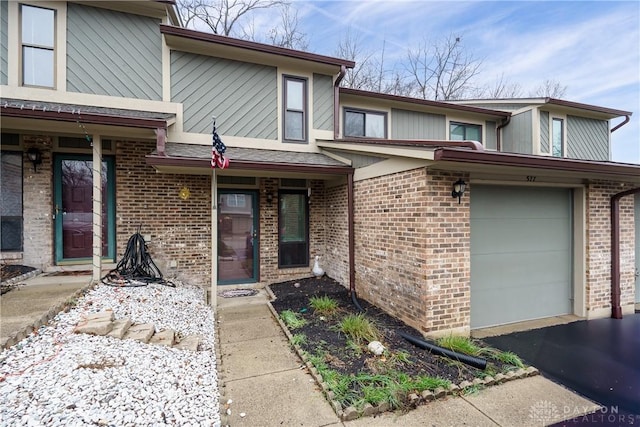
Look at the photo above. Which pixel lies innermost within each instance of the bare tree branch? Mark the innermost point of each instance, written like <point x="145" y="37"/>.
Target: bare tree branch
<point x="287" y="33"/>
<point x="549" y="88"/>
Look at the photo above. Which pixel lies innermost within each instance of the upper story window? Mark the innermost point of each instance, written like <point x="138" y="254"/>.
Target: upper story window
<point x="557" y="137"/>
<point x="295" y="116"/>
<point x="361" y="123"/>
<point x="38" y="45"/>
<point x="465" y="132"/>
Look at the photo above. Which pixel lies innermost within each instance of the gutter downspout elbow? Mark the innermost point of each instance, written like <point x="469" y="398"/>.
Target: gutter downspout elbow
<point x="616" y="309"/>
<point x="626" y="120"/>
<point x="336" y="101"/>
<point x="505" y="122"/>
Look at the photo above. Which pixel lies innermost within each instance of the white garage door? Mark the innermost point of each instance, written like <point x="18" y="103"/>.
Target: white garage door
<point x="521" y="256"/>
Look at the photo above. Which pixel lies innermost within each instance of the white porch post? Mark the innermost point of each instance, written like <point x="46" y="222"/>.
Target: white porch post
<point x="97" y="208"/>
<point x="214" y="240"/>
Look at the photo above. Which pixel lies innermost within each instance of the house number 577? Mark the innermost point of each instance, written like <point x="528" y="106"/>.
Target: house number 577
<point x="531" y="178"/>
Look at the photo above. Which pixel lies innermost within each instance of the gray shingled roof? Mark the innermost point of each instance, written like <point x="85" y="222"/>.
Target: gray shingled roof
<point x="82" y="109"/>
<point x="174" y="149"/>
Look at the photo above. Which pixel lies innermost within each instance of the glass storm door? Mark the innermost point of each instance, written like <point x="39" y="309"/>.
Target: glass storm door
<point x="73" y="207"/>
<point x="237" y="237"/>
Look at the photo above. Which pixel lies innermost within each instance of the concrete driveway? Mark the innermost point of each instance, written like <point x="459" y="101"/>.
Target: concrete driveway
<point x="599" y="359"/>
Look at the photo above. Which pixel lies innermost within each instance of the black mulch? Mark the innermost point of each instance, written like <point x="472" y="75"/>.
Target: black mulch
<point x="321" y="334"/>
<point x="8" y="272"/>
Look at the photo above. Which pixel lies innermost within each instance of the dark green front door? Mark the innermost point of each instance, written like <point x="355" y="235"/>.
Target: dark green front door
<point x="73" y="207"/>
<point x="237" y="236"/>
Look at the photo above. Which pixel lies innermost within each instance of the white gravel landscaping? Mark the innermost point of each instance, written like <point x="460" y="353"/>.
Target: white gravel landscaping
<point x="57" y="378"/>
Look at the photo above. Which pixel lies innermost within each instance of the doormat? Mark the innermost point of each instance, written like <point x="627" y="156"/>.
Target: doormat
<point x="232" y="293"/>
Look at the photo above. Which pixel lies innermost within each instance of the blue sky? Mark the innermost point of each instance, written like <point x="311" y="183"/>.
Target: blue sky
<point x="591" y="47"/>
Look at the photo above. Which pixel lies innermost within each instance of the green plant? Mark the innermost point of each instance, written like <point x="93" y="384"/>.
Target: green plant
<point x="508" y="358"/>
<point x="354" y="347"/>
<point x="359" y="328"/>
<point x="324" y="305"/>
<point x="401" y="358"/>
<point x="292" y="320"/>
<point x="460" y="344"/>
<point x="299" y="339"/>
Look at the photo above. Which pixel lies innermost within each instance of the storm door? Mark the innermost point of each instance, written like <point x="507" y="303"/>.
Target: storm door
<point x="237" y="237"/>
<point x="73" y="207"/>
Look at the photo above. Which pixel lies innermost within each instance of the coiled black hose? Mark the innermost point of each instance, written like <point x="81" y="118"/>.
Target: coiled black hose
<point x="136" y="268"/>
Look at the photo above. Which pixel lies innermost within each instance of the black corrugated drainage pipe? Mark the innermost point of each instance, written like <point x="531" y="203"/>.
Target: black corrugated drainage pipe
<point x="352" y="244"/>
<point x="476" y="362"/>
<point x="616" y="309"/>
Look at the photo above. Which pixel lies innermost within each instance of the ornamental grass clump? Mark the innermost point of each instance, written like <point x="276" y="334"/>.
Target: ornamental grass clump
<point x="324" y="305"/>
<point x="292" y="320"/>
<point x="359" y="329"/>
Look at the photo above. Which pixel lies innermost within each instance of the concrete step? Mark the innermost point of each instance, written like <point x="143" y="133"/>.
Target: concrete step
<point x="165" y="337"/>
<point x="142" y="332"/>
<point x="120" y="328"/>
<point x="103" y="323"/>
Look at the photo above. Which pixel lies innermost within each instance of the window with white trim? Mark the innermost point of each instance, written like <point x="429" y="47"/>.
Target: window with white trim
<point x="295" y="115"/>
<point x="557" y="137"/>
<point x="37" y="38"/>
<point x="465" y="132"/>
<point x="363" y="123"/>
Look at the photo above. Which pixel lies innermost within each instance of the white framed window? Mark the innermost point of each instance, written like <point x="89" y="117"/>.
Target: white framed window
<point x="557" y="137"/>
<point x="37" y="44"/>
<point x="365" y="123"/>
<point x="295" y="114"/>
<point x="236" y="200"/>
<point x="465" y="132"/>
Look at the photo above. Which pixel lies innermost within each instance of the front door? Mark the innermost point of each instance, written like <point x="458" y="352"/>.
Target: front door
<point x="237" y="237"/>
<point x="73" y="210"/>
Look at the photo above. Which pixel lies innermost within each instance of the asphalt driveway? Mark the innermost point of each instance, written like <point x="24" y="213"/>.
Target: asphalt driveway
<point x="599" y="359"/>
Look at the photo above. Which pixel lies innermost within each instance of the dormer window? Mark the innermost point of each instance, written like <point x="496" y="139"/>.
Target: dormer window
<point x="364" y="124"/>
<point x="38" y="45"/>
<point x="465" y="132"/>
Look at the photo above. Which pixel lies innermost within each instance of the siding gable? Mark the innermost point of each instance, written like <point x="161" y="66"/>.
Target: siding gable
<point x="416" y="125"/>
<point x="113" y="53"/>
<point x="4" y="5"/>
<point x="491" y="141"/>
<point x="587" y="139"/>
<point x="322" y="102"/>
<point x="242" y="96"/>
<point x="544" y="131"/>
<point x="517" y="135"/>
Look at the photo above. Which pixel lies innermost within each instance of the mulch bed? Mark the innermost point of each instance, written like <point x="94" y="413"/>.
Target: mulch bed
<point x="8" y="272"/>
<point x="321" y="334"/>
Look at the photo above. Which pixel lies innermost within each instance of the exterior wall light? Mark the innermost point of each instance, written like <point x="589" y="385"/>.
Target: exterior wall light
<point x="35" y="156"/>
<point x="458" y="189"/>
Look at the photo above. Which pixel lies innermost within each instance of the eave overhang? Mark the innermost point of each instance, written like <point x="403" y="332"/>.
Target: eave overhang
<point x="578" y="168"/>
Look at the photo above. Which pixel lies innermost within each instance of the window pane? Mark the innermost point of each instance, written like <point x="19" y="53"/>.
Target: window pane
<point x="354" y="124"/>
<point x="375" y="125"/>
<point x="294" y="125"/>
<point x="295" y="95"/>
<point x="293" y="218"/>
<point x="37" y="65"/>
<point x="557" y="135"/>
<point x="37" y="26"/>
<point x="474" y="133"/>
<point x="456" y="132"/>
<point x="11" y="200"/>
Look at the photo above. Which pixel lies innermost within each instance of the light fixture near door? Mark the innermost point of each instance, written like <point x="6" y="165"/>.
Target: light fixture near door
<point x="458" y="189"/>
<point x="35" y="157"/>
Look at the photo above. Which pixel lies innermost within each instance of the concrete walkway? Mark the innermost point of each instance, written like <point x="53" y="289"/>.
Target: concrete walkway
<point x="267" y="385"/>
<point x="35" y="302"/>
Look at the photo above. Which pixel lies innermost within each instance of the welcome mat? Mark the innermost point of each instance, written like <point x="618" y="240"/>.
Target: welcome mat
<point x="233" y="293"/>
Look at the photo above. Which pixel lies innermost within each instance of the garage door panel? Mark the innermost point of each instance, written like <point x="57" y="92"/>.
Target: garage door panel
<point x="518" y="270"/>
<point x="521" y="254"/>
<point x="539" y="235"/>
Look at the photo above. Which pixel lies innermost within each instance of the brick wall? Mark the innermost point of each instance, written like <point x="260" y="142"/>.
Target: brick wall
<point x="412" y="249"/>
<point x="37" y="199"/>
<point x="180" y="230"/>
<point x="336" y="259"/>
<point x="598" y="256"/>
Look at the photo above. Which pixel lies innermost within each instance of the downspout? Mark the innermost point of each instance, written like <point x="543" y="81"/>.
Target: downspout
<point x="352" y="242"/>
<point x="336" y="101"/>
<point x="616" y="309"/>
<point x="627" y="118"/>
<point x="505" y="122"/>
